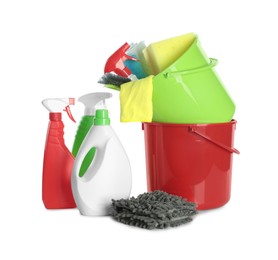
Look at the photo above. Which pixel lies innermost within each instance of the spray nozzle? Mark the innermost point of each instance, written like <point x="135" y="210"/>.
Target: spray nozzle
<point x="58" y="105"/>
<point x="91" y="100"/>
<point x="115" y="63"/>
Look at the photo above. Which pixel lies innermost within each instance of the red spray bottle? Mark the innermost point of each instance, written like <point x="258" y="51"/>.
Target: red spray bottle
<point x="58" y="160"/>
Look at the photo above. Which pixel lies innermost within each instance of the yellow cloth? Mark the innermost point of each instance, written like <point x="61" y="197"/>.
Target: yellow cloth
<point x="136" y="100"/>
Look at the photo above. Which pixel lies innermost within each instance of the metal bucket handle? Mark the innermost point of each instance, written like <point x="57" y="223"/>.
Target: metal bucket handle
<point x="213" y="63"/>
<point x="229" y="149"/>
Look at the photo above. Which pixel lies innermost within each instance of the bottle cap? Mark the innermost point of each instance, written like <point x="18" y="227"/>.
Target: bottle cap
<point x="101" y="117"/>
<point x="58" y="105"/>
<point x="90" y="101"/>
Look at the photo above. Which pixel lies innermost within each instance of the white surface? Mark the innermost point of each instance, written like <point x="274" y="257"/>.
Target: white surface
<point x="59" y="48"/>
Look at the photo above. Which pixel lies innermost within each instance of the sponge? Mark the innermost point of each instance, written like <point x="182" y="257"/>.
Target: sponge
<point x="153" y="210"/>
<point x="160" y="55"/>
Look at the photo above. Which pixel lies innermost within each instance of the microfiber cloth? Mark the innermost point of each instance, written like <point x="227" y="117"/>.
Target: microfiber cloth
<point x="136" y="100"/>
<point x="154" y="210"/>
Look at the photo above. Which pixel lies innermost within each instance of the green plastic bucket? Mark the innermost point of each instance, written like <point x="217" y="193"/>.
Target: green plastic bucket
<point x="190" y="91"/>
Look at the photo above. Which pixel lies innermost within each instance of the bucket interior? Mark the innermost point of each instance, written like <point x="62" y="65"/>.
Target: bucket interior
<point x="160" y="55"/>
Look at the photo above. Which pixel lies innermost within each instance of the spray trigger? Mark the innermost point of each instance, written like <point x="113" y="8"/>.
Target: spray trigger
<point x="130" y="57"/>
<point x="115" y="63"/>
<point x="67" y="109"/>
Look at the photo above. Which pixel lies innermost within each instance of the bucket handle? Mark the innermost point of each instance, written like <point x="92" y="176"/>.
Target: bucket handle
<point x="229" y="149"/>
<point x="213" y="63"/>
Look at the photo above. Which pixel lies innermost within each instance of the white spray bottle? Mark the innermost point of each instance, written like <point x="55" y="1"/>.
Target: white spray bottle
<point x="108" y="176"/>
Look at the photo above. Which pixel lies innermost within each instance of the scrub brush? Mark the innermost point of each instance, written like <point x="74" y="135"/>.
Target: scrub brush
<point x="153" y="210"/>
<point x="112" y="80"/>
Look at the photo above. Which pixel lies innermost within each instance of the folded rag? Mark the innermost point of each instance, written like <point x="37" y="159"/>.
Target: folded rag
<point x="136" y="100"/>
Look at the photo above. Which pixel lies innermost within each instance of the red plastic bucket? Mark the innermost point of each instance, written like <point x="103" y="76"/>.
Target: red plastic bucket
<point x="191" y="160"/>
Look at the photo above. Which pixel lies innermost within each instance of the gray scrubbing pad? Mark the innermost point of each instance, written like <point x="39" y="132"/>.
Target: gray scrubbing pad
<point x="153" y="210"/>
<point x="113" y="79"/>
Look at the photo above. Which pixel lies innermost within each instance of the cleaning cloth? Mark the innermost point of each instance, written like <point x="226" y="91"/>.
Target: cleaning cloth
<point x="136" y="100"/>
<point x="154" y="210"/>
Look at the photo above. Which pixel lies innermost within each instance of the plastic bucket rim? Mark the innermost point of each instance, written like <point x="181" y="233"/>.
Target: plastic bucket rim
<point x="173" y="64"/>
<point x="193" y="128"/>
<point x="213" y="62"/>
<point x="233" y="121"/>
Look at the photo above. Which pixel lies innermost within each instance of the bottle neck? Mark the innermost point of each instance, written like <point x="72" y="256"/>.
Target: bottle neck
<point x="55" y="116"/>
<point x="101" y="117"/>
<point x="56" y="128"/>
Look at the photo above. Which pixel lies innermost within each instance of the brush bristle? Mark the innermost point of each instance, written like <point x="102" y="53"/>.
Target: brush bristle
<point x="113" y="79"/>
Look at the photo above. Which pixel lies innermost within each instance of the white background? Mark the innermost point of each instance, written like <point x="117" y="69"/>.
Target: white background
<point x="58" y="49"/>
